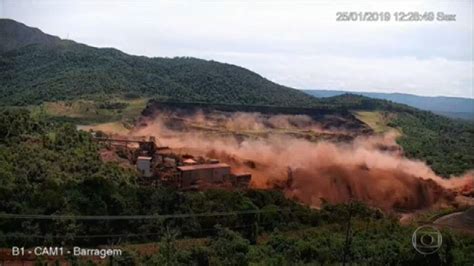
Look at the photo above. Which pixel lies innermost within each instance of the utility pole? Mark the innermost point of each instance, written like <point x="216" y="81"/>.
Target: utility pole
<point x="347" y="245"/>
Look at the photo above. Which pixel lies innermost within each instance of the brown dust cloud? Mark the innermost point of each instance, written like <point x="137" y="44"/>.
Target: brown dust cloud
<point x="370" y="168"/>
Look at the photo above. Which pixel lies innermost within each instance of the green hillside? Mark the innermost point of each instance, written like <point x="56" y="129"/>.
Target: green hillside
<point x="70" y="70"/>
<point x="15" y="35"/>
<point x="447" y="145"/>
<point x="53" y="169"/>
<point x="36" y="68"/>
<point x="454" y="107"/>
<point x="51" y="173"/>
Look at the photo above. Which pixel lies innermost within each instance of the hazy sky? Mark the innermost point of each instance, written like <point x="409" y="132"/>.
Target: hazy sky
<point x="296" y="43"/>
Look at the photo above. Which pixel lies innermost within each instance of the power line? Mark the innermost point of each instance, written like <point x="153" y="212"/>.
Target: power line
<point x="131" y="217"/>
<point x="130" y="235"/>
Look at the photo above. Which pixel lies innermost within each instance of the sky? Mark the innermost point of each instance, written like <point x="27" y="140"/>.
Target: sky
<point x="297" y="43"/>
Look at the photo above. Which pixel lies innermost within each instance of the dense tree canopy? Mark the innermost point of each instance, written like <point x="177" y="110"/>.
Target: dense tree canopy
<point x="71" y="70"/>
<point x="54" y="169"/>
<point x="445" y="144"/>
<point x="63" y="70"/>
<point x="50" y="168"/>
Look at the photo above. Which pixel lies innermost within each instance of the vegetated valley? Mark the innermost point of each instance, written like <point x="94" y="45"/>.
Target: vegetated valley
<point x="317" y="166"/>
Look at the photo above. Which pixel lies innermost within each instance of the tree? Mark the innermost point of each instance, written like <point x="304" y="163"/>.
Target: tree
<point x="229" y="248"/>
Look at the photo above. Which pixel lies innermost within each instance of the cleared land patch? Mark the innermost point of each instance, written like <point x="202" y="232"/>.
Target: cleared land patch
<point x="375" y="120"/>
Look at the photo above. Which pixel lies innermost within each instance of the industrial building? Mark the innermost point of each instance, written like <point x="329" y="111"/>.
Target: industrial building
<point x="158" y="164"/>
<point x="241" y="179"/>
<point x="144" y="166"/>
<point x="189" y="175"/>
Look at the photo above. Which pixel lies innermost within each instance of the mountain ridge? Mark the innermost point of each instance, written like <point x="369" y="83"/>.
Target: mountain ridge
<point x="454" y="107"/>
<point x="55" y="69"/>
<point x="15" y="35"/>
<point x="64" y="70"/>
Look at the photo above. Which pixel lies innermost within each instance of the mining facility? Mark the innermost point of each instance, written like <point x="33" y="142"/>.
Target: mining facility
<point x="160" y="165"/>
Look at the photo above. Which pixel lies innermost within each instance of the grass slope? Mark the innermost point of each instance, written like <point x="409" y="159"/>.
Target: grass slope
<point x="374" y="119"/>
<point x="87" y="112"/>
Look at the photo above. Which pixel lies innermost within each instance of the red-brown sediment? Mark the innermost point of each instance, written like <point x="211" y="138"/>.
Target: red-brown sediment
<point x="370" y="168"/>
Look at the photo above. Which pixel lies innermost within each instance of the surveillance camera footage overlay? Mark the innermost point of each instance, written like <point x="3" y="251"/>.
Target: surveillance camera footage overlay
<point x="236" y="132"/>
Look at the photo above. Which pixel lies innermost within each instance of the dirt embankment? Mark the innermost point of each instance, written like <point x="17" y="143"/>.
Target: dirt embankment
<point x="314" y="156"/>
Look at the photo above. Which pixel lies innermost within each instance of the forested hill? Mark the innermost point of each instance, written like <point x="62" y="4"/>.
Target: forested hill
<point x="36" y="67"/>
<point x="14" y="35"/>
<point x="454" y="107"/>
<point x="447" y="145"/>
<point x="45" y="68"/>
